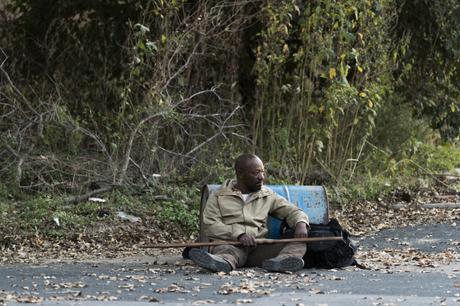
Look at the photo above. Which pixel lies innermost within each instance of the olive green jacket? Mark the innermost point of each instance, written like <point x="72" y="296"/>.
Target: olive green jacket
<point x="226" y="215"/>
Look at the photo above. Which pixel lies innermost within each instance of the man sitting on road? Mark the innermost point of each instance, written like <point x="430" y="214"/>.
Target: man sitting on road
<point x="239" y="211"/>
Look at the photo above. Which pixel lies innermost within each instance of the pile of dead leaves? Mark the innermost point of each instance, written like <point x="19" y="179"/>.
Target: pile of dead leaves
<point x="405" y="259"/>
<point x="368" y="217"/>
<point x="402" y="208"/>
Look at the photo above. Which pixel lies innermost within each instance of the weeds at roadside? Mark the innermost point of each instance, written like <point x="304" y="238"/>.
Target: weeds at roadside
<point x="46" y="217"/>
<point x="174" y="209"/>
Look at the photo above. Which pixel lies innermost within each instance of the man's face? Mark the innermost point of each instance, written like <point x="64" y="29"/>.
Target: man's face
<point x="253" y="175"/>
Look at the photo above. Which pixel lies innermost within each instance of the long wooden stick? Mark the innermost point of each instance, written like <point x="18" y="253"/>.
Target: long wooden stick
<point x="258" y="241"/>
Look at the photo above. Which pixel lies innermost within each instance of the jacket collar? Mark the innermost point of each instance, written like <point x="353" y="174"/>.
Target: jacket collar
<point x="227" y="188"/>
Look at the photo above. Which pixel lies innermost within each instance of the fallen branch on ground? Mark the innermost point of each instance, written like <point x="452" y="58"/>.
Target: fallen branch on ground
<point x="86" y="196"/>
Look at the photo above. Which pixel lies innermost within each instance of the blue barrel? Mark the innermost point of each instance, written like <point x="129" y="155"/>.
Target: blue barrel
<point x="311" y="199"/>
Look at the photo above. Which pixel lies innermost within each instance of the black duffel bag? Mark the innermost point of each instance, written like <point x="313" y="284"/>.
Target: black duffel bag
<point x="328" y="254"/>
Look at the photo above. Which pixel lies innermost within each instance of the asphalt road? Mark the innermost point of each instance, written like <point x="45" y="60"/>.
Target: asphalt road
<point x="408" y="266"/>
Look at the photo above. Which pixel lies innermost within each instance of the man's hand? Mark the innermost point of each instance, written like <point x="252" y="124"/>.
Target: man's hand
<point x="301" y="230"/>
<point x="247" y="241"/>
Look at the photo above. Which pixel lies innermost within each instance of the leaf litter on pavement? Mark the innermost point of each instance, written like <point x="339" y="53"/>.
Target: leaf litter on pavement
<point x="360" y="219"/>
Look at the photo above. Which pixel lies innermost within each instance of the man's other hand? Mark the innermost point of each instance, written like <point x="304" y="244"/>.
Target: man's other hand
<point x="301" y="230"/>
<point x="247" y="241"/>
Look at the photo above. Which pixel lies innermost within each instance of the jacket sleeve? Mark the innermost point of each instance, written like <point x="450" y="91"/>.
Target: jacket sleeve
<point x="213" y="225"/>
<point x="282" y="209"/>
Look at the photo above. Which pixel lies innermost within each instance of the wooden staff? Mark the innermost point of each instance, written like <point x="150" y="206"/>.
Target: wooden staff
<point x="258" y="241"/>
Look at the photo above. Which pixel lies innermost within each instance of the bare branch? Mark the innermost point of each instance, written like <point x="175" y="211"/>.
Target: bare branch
<point x="5" y="58"/>
<point x="127" y="155"/>
<point x="17" y="91"/>
<point x="139" y="168"/>
<point x="203" y="143"/>
<point x="86" y="196"/>
<point x="98" y="142"/>
<point x="182" y="68"/>
<point x="215" y="135"/>
<point x="212" y="90"/>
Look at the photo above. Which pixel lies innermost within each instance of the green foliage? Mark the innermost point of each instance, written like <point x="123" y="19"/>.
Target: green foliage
<point x="368" y="187"/>
<point x="428" y="40"/>
<point x="322" y="68"/>
<point x="46" y="216"/>
<point x="161" y="96"/>
<point x="397" y="131"/>
<point x="181" y="214"/>
<point x="130" y="88"/>
<point x="388" y="174"/>
<point x="178" y="205"/>
<point x="438" y="158"/>
<point x="216" y="169"/>
<point x="3" y="192"/>
<point x="378" y="177"/>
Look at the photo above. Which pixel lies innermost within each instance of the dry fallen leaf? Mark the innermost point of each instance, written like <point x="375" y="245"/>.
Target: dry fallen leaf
<point x="127" y="287"/>
<point x="139" y="278"/>
<point x="243" y="301"/>
<point x="172" y="288"/>
<point x="203" y="302"/>
<point x="106" y="297"/>
<point x="315" y="291"/>
<point x="31" y="299"/>
<point x="150" y="299"/>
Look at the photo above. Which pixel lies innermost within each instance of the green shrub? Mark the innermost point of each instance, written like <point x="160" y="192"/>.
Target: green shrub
<point x="438" y="158"/>
<point x="180" y="213"/>
<point x="47" y="216"/>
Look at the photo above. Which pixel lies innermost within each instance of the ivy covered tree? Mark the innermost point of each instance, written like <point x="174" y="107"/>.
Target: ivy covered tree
<point x="427" y="34"/>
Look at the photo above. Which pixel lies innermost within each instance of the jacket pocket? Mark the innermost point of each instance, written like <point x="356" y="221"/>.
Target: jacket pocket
<point x="231" y="211"/>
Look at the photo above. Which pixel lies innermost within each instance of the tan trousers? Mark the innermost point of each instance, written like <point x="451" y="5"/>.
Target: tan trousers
<point x="250" y="257"/>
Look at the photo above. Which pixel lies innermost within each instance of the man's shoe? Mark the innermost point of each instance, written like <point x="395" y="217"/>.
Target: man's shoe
<point x="209" y="261"/>
<point x="283" y="264"/>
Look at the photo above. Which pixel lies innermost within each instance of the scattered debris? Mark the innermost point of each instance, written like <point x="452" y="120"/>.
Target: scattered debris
<point x="125" y="239"/>
<point x="150" y="299"/>
<point x="172" y="288"/>
<point x="97" y="200"/>
<point x="126" y="217"/>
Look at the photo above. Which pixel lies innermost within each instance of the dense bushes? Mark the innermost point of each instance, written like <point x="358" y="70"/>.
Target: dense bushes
<point x="101" y="94"/>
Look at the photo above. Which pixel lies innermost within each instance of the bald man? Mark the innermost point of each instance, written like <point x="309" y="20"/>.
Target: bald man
<point x="239" y="211"/>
